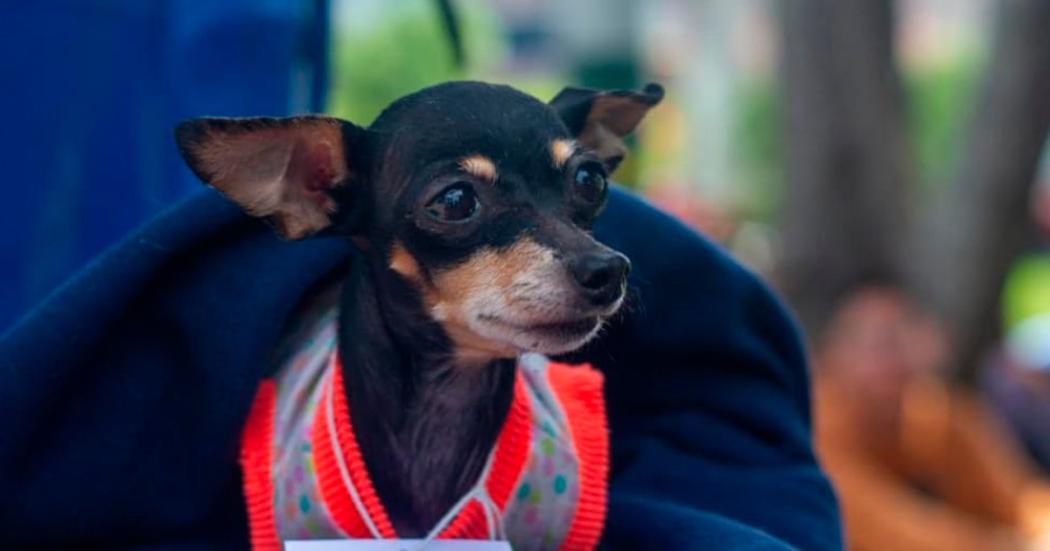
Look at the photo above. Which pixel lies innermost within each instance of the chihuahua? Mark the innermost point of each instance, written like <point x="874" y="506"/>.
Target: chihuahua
<point x="470" y="207"/>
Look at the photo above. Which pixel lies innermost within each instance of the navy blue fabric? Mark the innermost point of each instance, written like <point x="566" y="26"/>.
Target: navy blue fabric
<point x="91" y="90"/>
<point x="123" y="395"/>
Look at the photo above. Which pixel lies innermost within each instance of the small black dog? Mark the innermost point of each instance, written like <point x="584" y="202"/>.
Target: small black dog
<point x="471" y="205"/>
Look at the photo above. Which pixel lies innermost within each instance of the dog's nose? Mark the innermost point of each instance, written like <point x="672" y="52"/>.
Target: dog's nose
<point x="600" y="275"/>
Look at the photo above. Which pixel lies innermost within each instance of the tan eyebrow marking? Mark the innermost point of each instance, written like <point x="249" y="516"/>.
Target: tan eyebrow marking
<point x="479" y="166"/>
<point x="402" y="262"/>
<point x="562" y="150"/>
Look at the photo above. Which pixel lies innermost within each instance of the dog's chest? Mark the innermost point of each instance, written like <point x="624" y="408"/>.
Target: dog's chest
<point x="543" y="487"/>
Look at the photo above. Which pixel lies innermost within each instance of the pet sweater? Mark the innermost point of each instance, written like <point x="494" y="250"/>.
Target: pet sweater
<point x="543" y="485"/>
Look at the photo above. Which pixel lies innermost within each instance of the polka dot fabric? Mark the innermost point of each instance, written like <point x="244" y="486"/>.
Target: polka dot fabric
<point x="299" y="511"/>
<point x="539" y="515"/>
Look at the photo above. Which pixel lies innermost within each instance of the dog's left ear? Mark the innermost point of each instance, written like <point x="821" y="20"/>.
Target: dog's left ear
<point x="281" y="169"/>
<point x="601" y="119"/>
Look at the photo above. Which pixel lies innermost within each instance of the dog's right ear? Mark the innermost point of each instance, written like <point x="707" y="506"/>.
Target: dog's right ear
<point x="601" y="119"/>
<point x="279" y="169"/>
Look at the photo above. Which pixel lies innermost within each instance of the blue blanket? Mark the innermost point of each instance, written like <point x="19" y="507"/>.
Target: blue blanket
<point x="123" y="395"/>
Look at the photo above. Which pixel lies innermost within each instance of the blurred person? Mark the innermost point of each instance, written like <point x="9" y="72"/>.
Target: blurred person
<point x="1017" y="377"/>
<point x="1019" y="392"/>
<point x="919" y="465"/>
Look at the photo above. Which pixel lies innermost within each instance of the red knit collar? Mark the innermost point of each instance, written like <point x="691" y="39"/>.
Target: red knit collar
<point x="508" y="464"/>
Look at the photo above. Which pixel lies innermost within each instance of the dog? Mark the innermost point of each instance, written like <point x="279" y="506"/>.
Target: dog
<point x="469" y="205"/>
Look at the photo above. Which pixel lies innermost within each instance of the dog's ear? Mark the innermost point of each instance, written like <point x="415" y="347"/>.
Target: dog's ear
<point x="280" y="169"/>
<point x="601" y="119"/>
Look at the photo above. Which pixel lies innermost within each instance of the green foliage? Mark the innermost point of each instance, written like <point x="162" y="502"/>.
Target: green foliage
<point x="939" y="102"/>
<point x="401" y="56"/>
<point x="760" y="152"/>
<point x="404" y="50"/>
<point x="1027" y="290"/>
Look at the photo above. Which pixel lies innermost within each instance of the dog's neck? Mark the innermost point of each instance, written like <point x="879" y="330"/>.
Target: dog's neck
<point x="424" y="425"/>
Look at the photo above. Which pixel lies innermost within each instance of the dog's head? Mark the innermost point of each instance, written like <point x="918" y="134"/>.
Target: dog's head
<point x="478" y="196"/>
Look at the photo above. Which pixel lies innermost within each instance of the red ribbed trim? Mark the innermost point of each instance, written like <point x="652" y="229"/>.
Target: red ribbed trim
<point x="579" y="389"/>
<point x="508" y="464"/>
<point x="256" y="443"/>
<point x="333" y="491"/>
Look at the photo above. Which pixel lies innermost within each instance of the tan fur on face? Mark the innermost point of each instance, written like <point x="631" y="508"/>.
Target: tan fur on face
<point x="561" y="151"/>
<point x="480" y="167"/>
<point x="470" y="348"/>
<point x="402" y="262"/>
<point x="495" y="303"/>
<point x="451" y="288"/>
<point x="485" y="271"/>
<point x="522" y="282"/>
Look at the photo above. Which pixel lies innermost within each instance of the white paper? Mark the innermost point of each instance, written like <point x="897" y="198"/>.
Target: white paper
<point x="396" y="545"/>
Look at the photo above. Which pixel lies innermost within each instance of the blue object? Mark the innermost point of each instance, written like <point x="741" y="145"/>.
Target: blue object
<point x="91" y="91"/>
<point x="124" y="394"/>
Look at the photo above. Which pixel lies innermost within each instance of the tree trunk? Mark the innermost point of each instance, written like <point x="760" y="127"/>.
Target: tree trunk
<point x="848" y="166"/>
<point x="981" y="225"/>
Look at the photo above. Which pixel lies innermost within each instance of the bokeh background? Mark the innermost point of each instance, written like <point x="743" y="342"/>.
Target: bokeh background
<point x="883" y="163"/>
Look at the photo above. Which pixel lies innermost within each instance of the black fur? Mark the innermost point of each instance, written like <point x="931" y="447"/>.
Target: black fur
<point x="426" y="427"/>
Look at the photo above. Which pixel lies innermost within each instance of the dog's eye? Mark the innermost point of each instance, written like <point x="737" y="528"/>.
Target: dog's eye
<point x="590" y="181"/>
<point x="456" y="203"/>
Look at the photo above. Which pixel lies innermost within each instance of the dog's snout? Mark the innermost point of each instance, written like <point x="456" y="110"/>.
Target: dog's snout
<point x="600" y="275"/>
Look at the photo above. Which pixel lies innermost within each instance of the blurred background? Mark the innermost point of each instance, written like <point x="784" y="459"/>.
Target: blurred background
<point x="883" y="163"/>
